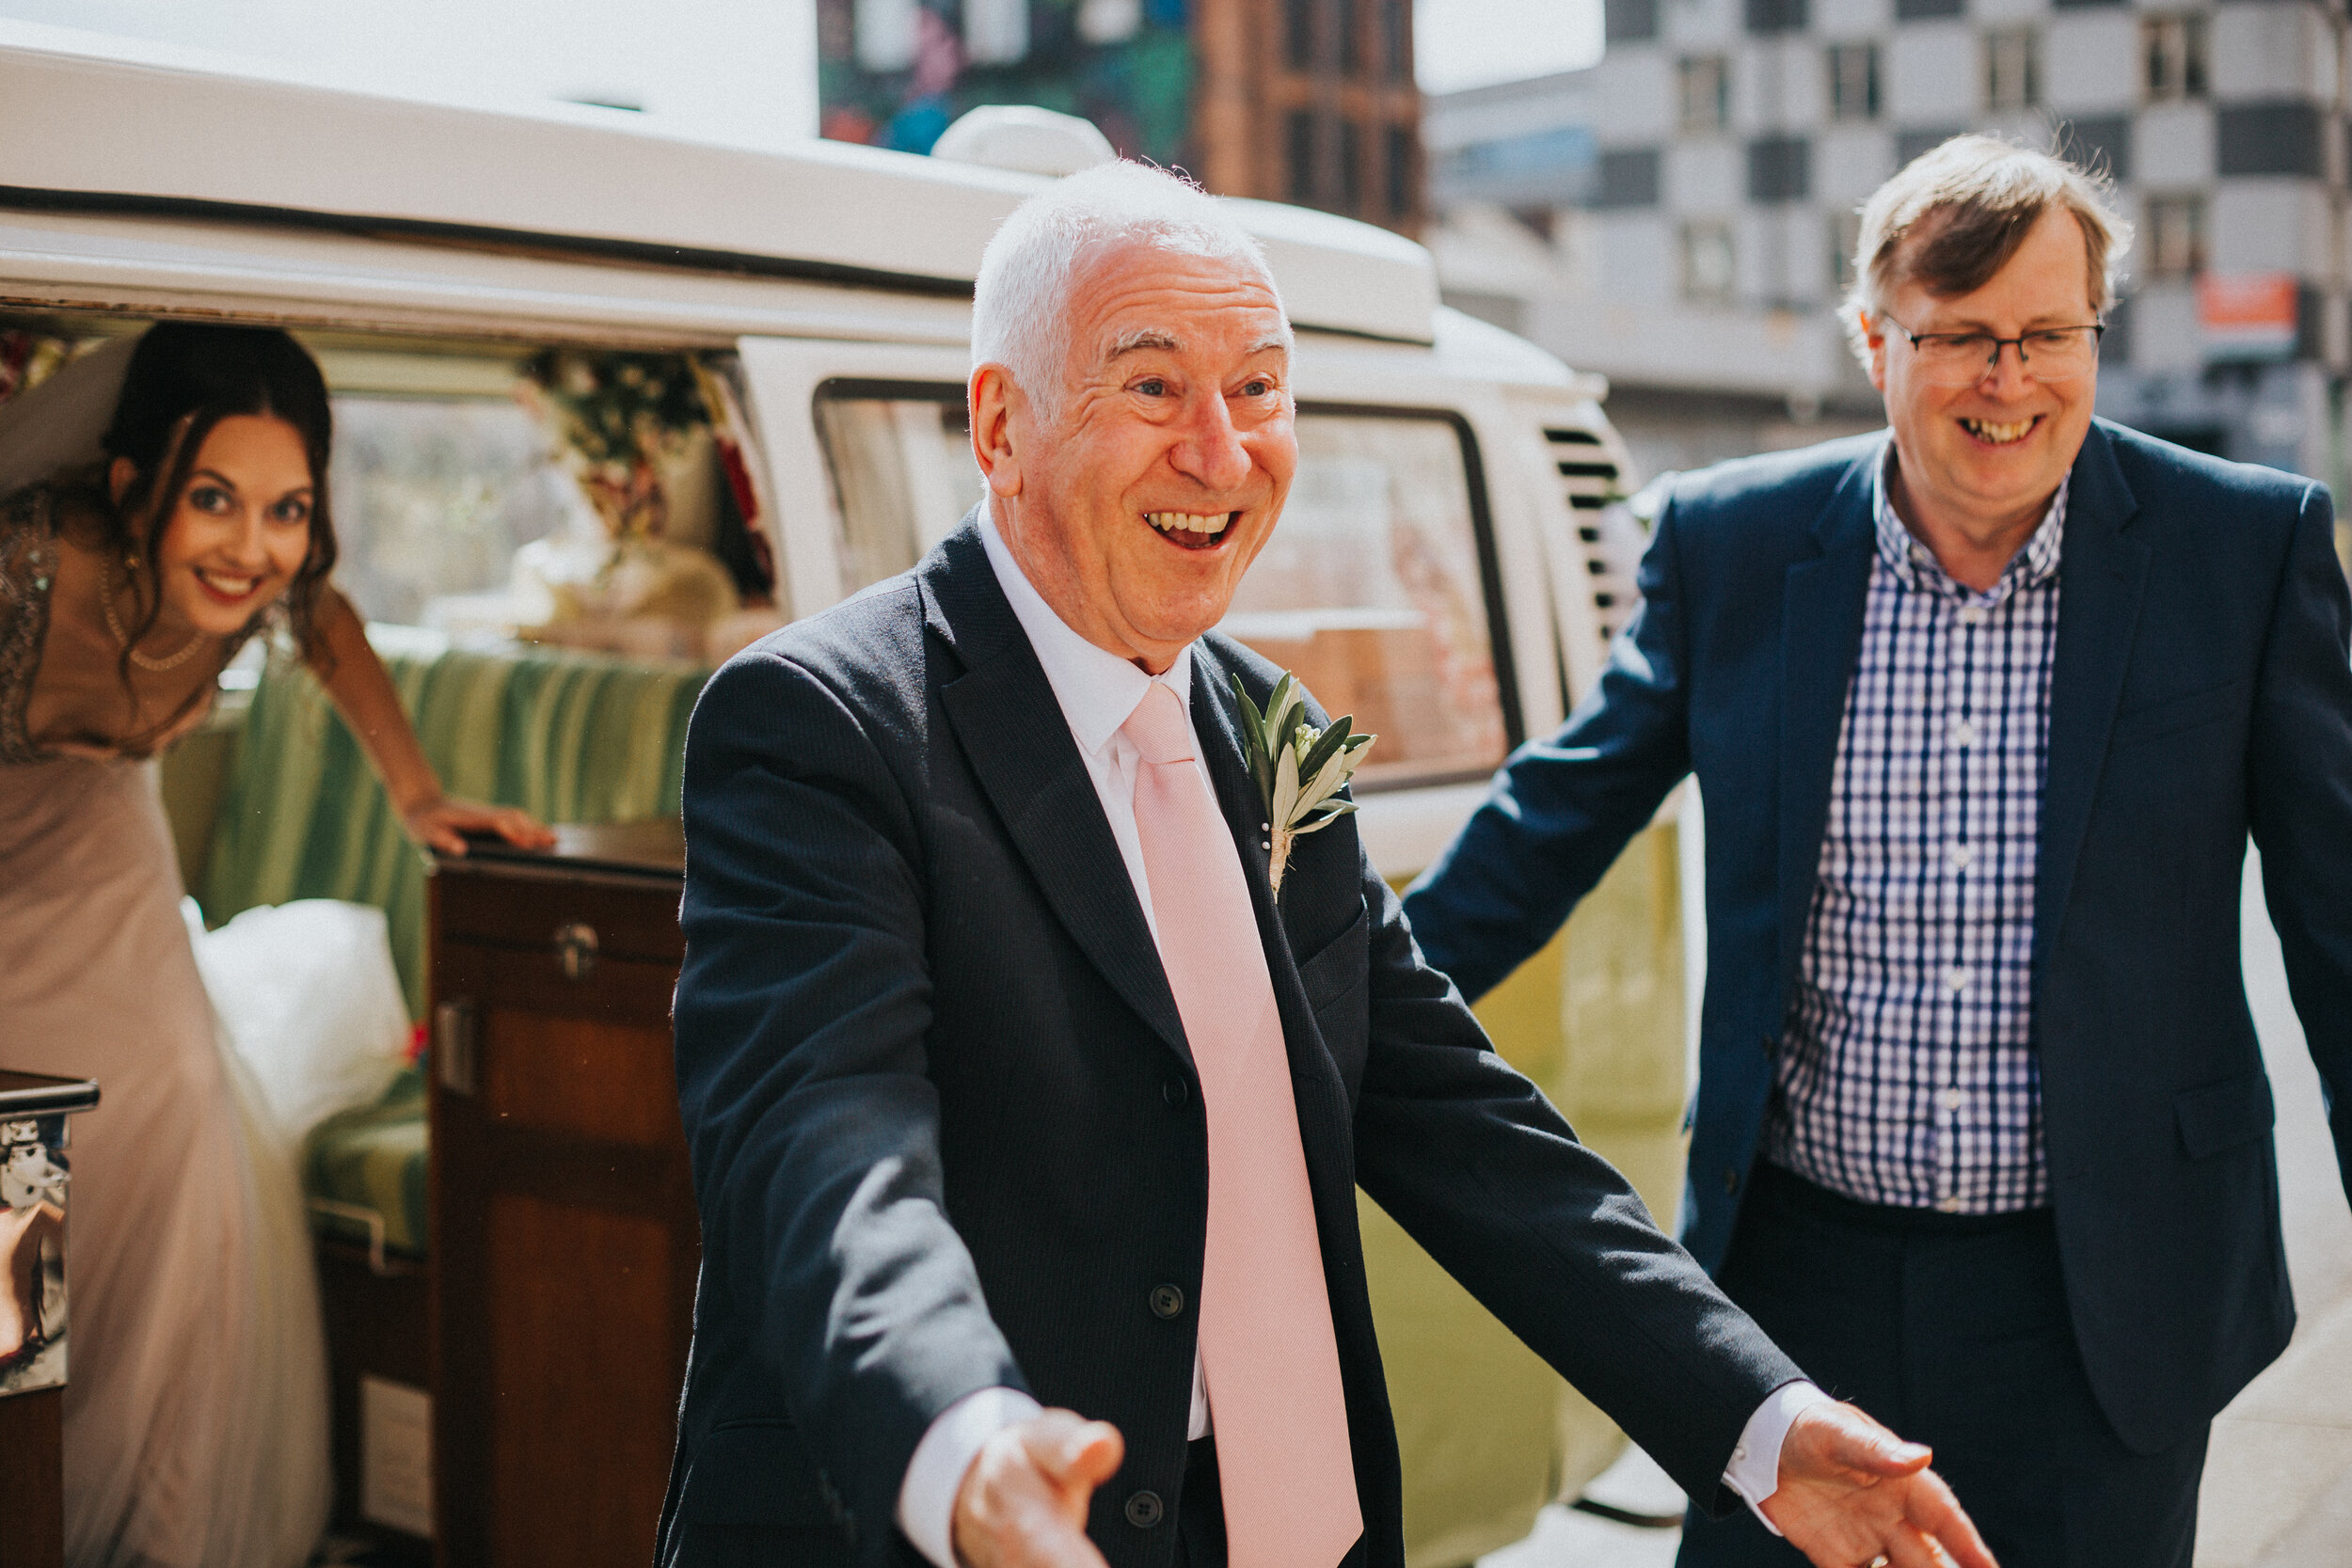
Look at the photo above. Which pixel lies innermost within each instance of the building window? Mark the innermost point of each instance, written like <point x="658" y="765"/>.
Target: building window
<point x="2100" y="144"/>
<point x="2172" y="57"/>
<point x="1396" y="40"/>
<point x="1298" y="32"/>
<point x="1845" y="233"/>
<point x="1299" y="133"/>
<point x="2271" y="138"/>
<point x="1911" y="145"/>
<point x="1403" y="148"/>
<point x="1706" y="83"/>
<point x="1628" y="178"/>
<point x="1853" y="81"/>
<point x="2013" y="70"/>
<point x="2175" y="230"/>
<point x="1629" y="21"/>
<point x="1708" y="272"/>
<point x="1780" y="168"/>
<point x="1774" y="16"/>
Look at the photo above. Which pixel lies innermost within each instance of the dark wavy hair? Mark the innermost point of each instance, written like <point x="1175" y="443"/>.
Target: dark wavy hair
<point x="185" y="377"/>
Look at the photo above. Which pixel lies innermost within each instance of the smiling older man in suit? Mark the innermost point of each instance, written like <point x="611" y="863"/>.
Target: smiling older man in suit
<point x="1982" y="712"/>
<point x="1010" y="1083"/>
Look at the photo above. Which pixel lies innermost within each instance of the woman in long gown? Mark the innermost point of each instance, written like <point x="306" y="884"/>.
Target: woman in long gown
<point x="195" y="1408"/>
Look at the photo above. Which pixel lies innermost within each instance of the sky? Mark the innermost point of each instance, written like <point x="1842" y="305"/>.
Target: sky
<point x="737" y="70"/>
<point x="1470" y="43"/>
<point x="731" y="70"/>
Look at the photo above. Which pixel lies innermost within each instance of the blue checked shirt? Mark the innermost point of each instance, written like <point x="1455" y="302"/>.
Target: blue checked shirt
<point x="1907" y="1074"/>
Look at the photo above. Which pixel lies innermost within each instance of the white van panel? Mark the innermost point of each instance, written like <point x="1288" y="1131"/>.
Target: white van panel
<point x="305" y="277"/>
<point x="73" y="120"/>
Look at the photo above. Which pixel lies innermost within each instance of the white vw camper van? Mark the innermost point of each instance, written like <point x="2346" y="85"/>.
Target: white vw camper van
<point x="1451" y="565"/>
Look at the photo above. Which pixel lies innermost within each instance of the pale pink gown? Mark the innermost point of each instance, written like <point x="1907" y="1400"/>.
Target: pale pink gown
<point x="196" y="1405"/>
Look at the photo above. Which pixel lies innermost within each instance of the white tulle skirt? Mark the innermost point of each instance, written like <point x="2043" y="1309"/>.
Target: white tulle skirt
<point x="195" y="1407"/>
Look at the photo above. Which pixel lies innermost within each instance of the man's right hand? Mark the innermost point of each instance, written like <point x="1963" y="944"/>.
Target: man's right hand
<point x="1023" y="1504"/>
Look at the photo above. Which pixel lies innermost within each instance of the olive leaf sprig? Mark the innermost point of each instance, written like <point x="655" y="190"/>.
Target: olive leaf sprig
<point x="1300" y="769"/>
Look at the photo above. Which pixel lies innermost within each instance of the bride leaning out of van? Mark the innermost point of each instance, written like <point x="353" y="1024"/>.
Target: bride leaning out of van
<point x="196" y="1412"/>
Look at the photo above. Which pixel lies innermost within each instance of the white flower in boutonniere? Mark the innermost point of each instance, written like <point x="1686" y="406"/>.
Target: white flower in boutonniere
<point x="1300" y="769"/>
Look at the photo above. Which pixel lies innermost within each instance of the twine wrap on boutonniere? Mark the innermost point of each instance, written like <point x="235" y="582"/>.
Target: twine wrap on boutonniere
<point x="1300" y="769"/>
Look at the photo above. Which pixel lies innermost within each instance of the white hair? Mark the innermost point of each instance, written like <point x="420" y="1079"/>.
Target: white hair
<point x="1021" y="303"/>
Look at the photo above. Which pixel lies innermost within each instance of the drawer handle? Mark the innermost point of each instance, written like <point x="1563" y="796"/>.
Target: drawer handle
<point x="576" y="950"/>
<point x="454" y="1045"/>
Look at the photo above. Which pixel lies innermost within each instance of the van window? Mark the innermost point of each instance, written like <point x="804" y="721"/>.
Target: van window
<point x="1372" y="591"/>
<point x="904" y="475"/>
<point x="432" y="497"/>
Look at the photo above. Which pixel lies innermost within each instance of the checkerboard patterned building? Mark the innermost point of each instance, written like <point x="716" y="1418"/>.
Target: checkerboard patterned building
<point x="1732" y="139"/>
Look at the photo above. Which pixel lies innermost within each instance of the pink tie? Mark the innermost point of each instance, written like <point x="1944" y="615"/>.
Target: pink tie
<point x="1266" y="1346"/>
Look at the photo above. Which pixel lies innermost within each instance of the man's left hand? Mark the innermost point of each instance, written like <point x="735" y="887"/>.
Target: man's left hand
<point x="1852" y="1493"/>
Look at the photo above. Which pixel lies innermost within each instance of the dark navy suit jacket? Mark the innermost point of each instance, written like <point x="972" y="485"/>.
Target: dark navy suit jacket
<point x="2201" y="691"/>
<point x="946" y="1134"/>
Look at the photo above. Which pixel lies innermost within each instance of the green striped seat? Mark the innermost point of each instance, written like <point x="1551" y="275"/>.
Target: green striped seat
<point x="365" y="1171"/>
<point x="568" y="736"/>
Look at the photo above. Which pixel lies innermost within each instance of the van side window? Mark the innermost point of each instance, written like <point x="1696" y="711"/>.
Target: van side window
<point x="1371" y="590"/>
<point x="904" y="475"/>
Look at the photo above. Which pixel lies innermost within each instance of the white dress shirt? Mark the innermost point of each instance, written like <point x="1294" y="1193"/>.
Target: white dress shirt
<point x="1098" y="691"/>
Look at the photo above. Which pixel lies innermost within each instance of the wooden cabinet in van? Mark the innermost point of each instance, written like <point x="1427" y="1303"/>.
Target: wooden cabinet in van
<point x="565" y="1239"/>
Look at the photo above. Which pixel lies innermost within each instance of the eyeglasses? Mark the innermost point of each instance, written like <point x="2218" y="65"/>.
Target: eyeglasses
<point x="1964" y="358"/>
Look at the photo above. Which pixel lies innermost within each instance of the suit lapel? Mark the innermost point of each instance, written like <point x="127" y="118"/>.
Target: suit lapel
<point x="1011" y="729"/>
<point x="2102" y="574"/>
<point x="1822" y="599"/>
<point x="1324" y="1116"/>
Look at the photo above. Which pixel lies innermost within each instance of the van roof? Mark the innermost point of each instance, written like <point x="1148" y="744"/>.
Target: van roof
<point x="94" y="122"/>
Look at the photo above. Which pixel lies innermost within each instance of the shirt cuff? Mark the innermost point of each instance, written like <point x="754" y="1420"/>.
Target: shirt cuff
<point x="927" y="1498"/>
<point x="1755" y="1468"/>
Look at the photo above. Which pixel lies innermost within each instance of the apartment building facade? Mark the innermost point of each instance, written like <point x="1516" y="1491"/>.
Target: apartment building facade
<point x="1733" y="140"/>
<point x="1310" y="101"/>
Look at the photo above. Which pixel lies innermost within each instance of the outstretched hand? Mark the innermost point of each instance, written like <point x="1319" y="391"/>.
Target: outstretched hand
<point x="1023" y="1504"/>
<point x="443" y="822"/>
<point x="1852" y="1493"/>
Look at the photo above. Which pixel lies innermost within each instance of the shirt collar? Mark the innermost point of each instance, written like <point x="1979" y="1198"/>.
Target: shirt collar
<point x="1098" y="691"/>
<point x="1916" y="564"/>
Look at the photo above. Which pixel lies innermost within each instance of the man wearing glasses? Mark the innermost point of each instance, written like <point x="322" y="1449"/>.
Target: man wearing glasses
<point x="1983" y="710"/>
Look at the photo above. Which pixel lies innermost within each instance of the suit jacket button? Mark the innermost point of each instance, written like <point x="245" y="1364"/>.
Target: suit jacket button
<point x="1144" y="1509"/>
<point x="1175" y="1091"/>
<point x="1168" y="1301"/>
<point x="1731" y="1179"/>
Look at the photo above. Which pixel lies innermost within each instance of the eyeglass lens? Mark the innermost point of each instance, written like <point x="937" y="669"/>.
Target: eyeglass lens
<point x="1961" y="360"/>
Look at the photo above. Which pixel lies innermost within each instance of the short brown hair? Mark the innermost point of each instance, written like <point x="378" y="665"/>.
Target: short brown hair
<point x="1970" y="204"/>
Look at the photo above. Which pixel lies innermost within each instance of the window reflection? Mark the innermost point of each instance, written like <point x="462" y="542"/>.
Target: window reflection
<point x="1370" y="590"/>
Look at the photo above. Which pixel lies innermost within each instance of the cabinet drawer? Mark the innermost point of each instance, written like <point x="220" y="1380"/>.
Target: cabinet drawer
<point x="631" y="920"/>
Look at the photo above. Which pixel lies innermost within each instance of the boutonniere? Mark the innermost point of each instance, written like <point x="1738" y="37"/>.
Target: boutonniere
<point x="1300" y="769"/>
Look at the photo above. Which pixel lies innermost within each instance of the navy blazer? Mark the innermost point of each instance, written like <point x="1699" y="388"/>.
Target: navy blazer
<point x="2200" y="692"/>
<point x="947" y="1135"/>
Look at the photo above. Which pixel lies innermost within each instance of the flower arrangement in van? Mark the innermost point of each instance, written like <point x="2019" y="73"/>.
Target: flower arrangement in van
<point x="618" y="418"/>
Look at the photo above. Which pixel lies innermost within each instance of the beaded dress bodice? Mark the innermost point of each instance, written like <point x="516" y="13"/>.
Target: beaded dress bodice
<point x="30" y="552"/>
<point x="29" y="567"/>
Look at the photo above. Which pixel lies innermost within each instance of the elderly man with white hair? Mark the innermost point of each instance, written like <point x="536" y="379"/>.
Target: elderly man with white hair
<point x="1027" y="1118"/>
